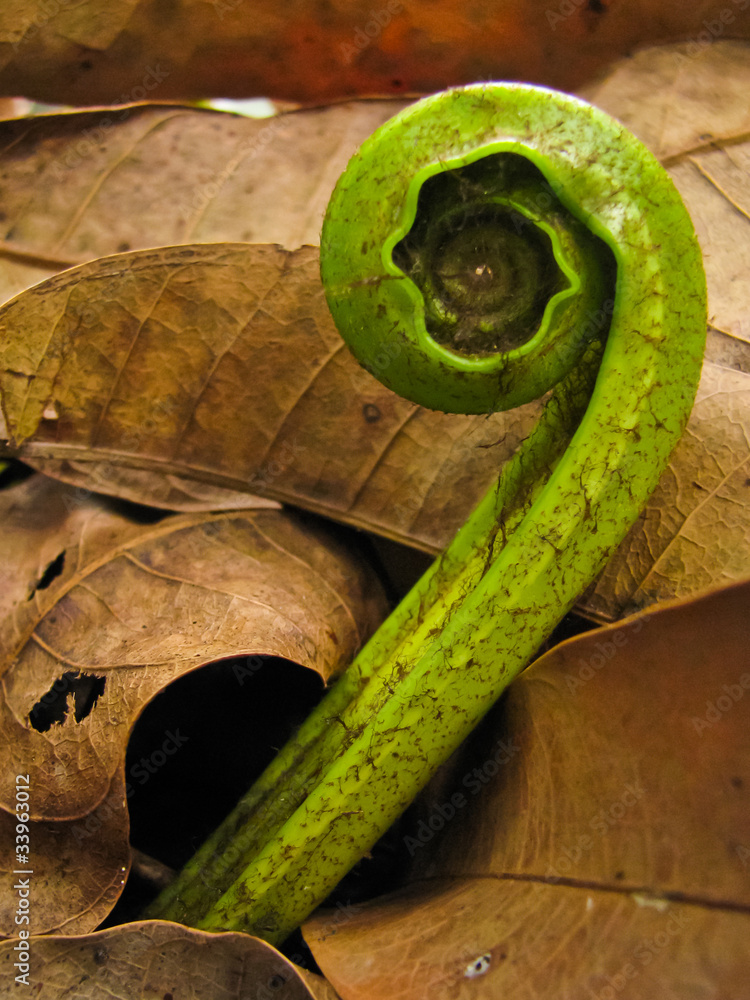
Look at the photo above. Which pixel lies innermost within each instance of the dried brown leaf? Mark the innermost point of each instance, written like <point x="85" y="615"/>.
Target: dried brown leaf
<point x="591" y="839"/>
<point x="688" y="103"/>
<point x="77" y="868"/>
<point x="134" y="178"/>
<point x="257" y="393"/>
<point x="153" y="958"/>
<point x="154" y="603"/>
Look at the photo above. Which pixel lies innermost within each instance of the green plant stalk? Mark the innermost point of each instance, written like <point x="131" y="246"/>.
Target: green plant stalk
<point x="360" y="692"/>
<point x="537" y="541"/>
<point x="284" y="784"/>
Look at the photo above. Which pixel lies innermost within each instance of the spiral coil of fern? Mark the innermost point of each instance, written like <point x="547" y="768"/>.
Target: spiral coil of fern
<point x="488" y="245"/>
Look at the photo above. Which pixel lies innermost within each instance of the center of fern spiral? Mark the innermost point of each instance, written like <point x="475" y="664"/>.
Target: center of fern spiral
<point x="485" y="270"/>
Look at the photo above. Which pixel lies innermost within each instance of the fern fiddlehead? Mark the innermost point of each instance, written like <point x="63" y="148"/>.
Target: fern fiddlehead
<point x="488" y="245"/>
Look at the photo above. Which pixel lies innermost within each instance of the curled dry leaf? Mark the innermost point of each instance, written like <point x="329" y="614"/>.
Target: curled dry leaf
<point x="304" y="51"/>
<point x="591" y="839"/>
<point x="164" y="600"/>
<point x="133" y="608"/>
<point x="153" y="958"/>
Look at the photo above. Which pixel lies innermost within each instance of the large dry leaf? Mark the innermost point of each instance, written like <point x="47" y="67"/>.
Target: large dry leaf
<point x="321" y="433"/>
<point x="592" y="838"/>
<point x="75" y="187"/>
<point x="154" y="959"/>
<point x="99" y="52"/>
<point x="223" y="365"/>
<point x="154" y="604"/>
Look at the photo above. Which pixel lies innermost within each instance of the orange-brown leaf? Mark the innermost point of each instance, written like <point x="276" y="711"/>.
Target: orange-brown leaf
<point x="304" y="51"/>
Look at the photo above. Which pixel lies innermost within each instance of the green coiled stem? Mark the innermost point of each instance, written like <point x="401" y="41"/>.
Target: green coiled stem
<point x="423" y="249"/>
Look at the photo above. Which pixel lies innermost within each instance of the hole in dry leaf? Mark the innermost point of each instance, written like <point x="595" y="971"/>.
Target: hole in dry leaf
<point x="195" y="750"/>
<point x="478" y="967"/>
<point x="200" y="743"/>
<point x="52" y="708"/>
<point x="53" y="570"/>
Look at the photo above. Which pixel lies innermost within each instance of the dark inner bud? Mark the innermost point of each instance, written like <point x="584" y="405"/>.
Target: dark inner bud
<point x="486" y="272"/>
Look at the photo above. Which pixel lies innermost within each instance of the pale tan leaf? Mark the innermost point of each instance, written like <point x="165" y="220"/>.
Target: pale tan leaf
<point x="695" y="531"/>
<point x="591" y="839"/>
<point x="113" y="180"/>
<point x="680" y="98"/>
<point x="156" y="959"/>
